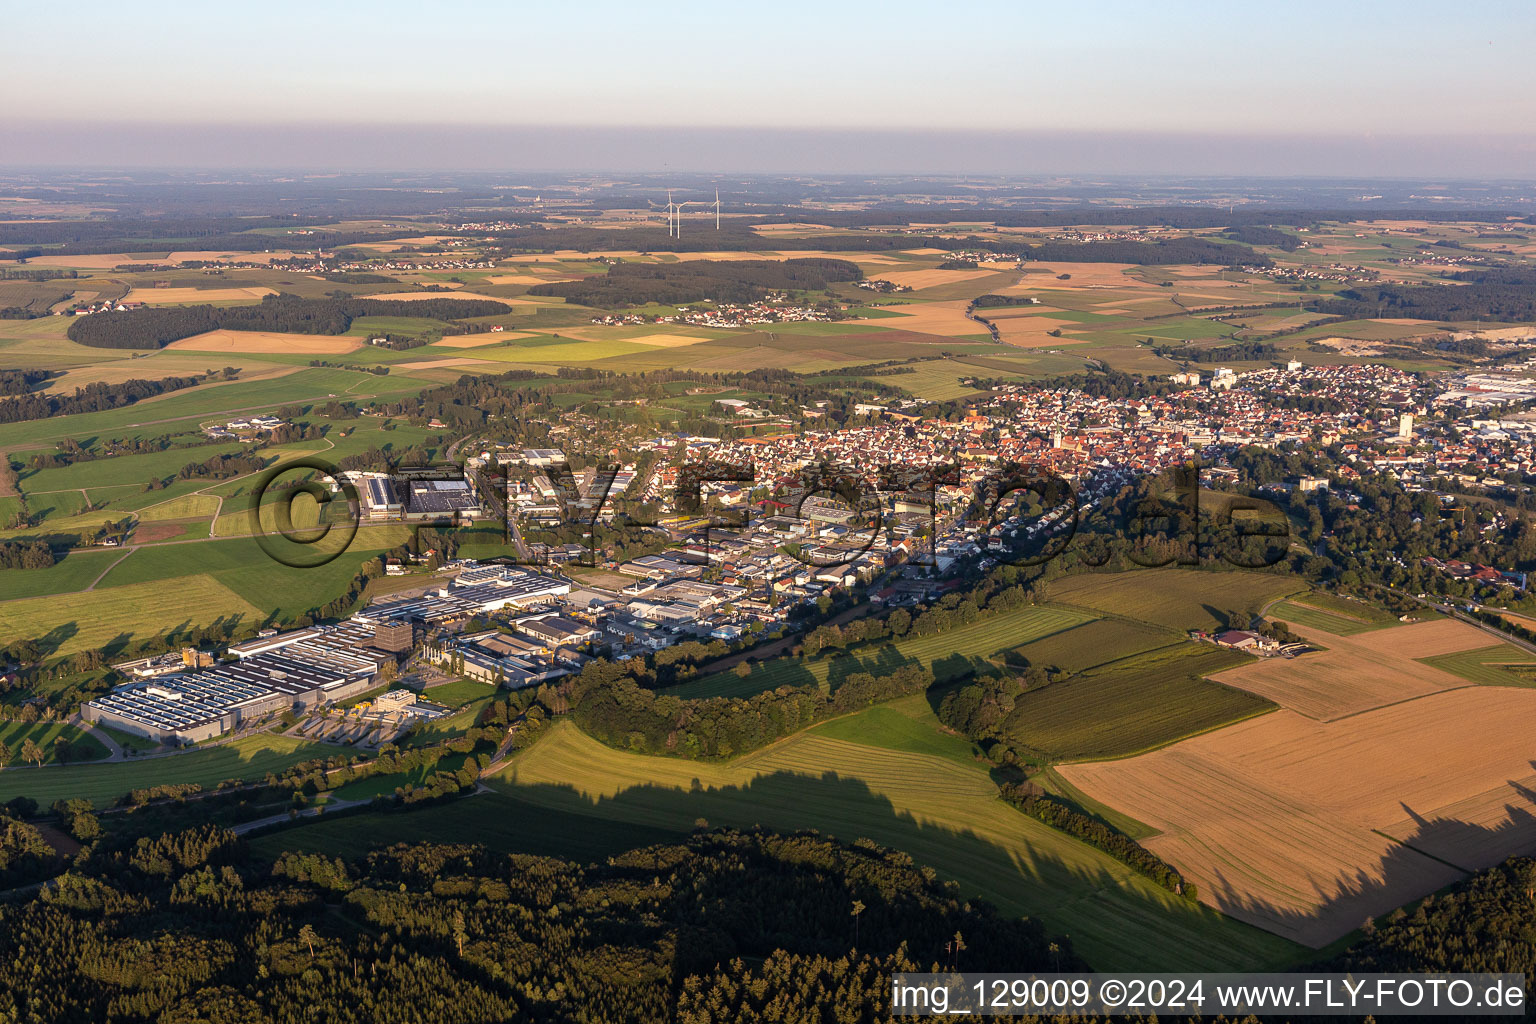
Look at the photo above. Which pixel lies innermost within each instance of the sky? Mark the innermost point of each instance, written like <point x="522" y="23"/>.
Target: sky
<point x="1184" y="86"/>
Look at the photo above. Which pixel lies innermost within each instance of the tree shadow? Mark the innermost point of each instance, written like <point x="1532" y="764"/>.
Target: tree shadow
<point x="1112" y="916"/>
<point x="57" y="637"/>
<point x="1436" y="852"/>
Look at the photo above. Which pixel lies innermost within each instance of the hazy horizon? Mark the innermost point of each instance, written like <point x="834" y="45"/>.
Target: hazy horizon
<point x="405" y="148"/>
<point x="1371" y="89"/>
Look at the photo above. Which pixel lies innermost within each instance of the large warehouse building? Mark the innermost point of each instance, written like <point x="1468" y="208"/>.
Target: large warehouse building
<point x="293" y="671"/>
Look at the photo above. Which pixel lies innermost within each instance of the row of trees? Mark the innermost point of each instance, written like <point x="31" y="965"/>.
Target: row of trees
<point x="94" y="397"/>
<point x="1036" y="803"/>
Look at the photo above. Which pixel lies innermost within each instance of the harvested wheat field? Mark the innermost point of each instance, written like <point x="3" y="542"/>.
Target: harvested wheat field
<point x="1084" y="275"/>
<point x="266" y="341"/>
<point x="919" y="279"/>
<point x="480" y="340"/>
<point x="1035" y="331"/>
<point x="1284" y="822"/>
<point x="195" y="296"/>
<point x="1357" y="673"/>
<point x="946" y="319"/>
<point x="455" y="294"/>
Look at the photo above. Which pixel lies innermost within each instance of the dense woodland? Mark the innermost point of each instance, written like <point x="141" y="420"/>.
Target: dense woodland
<point x="1240" y="352"/>
<point x="156" y="327"/>
<point x="638" y="284"/>
<point x="727" y="926"/>
<point x="1508" y="295"/>
<point x="1256" y="234"/>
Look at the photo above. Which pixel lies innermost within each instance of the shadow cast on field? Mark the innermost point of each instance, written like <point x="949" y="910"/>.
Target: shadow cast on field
<point x="1438" y="852"/>
<point x="1098" y="910"/>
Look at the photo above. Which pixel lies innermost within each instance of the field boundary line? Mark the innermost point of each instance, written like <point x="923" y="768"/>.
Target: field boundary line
<point x="1465" y="685"/>
<point x="1259" y="713"/>
<point x="1423" y="853"/>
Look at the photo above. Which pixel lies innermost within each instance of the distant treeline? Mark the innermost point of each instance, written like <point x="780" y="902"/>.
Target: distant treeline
<point x="96" y="397"/>
<point x="1147" y="254"/>
<point x="994" y="301"/>
<point x="1163" y="216"/>
<point x="638" y="284"/>
<point x="1508" y="295"/>
<point x="153" y="327"/>
<point x="1257" y="234"/>
<point x="1241" y="352"/>
<point x="40" y="274"/>
<point x="153" y="234"/>
<point x="732" y="238"/>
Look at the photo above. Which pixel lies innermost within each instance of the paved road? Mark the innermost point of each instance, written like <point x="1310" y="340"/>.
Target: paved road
<point x="308" y="812"/>
<point x="114" y="748"/>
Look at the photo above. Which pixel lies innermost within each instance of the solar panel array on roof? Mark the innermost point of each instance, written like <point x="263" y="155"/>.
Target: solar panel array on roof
<point x="380" y="493"/>
<point x="304" y="667"/>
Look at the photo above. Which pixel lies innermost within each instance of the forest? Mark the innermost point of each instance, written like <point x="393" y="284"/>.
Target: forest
<point x="154" y="328"/>
<point x="722" y="926"/>
<point x="1504" y="294"/>
<point x="1256" y="234"/>
<point x="1241" y="352"/>
<point x="639" y="284"/>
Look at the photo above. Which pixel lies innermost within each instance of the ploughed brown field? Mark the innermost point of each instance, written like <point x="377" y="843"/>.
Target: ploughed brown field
<point x="1357" y="673"/>
<point x="1305" y="827"/>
